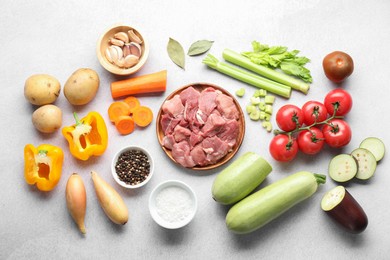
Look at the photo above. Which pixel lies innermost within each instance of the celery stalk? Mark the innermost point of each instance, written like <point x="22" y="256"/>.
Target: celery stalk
<point x="247" y="77"/>
<point x="277" y="76"/>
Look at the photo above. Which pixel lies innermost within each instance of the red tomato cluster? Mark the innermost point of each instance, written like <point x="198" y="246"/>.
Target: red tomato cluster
<point x="308" y="128"/>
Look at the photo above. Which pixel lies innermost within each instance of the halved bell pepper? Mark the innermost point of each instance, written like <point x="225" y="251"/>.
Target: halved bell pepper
<point x="43" y="165"/>
<point x="87" y="137"/>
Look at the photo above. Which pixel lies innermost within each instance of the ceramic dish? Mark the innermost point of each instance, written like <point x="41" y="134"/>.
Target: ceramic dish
<point x="104" y="42"/>
<point x="241" y="123"/>
<point x="115" y="159"/>
<point x="172" y="204"/>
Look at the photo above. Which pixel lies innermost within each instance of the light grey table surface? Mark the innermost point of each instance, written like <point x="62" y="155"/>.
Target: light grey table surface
<point x="58" y="37"/>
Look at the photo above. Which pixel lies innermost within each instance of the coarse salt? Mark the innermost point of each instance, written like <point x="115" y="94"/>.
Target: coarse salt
<point x="174" y="204"/>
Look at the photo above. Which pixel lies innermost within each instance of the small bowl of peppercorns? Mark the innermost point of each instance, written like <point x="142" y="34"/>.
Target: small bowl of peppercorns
<point x="132" y="167"/>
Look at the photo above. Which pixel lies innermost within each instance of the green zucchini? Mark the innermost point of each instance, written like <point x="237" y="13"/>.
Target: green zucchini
<point x="240" y="178"/>
<point x="261" y="207"/>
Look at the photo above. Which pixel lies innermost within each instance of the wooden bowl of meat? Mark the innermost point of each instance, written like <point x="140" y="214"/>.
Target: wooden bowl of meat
<point x="200" y="126"/>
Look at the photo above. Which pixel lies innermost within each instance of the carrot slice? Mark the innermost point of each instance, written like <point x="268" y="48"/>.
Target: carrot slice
<point x="149" y="83"/>
<point x="142" y="116"/>
<point x="124" y="125"/>
<point x="133" y="102"/>
<point x="118" y="108"/>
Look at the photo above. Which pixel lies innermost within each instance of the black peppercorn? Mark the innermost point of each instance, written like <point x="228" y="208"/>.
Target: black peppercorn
<point x="132" y="167"/>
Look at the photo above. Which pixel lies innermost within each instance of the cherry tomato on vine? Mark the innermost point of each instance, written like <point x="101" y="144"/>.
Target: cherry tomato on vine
<point x="338" y="98"/>
<point x="310" y="141"/>
<point x="337" y="66"/>
<point x="289" y="117"/>
<point x="337" y="133"/>
<point x="314" y="111"/>
<point x="282" y="148"/>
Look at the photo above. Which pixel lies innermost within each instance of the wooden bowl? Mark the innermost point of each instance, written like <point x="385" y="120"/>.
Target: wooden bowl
<point x="241" y="121"/>
<point x="103" y="44"/>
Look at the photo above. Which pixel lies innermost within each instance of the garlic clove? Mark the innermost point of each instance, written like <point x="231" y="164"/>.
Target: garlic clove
<point x="122" y="36"/>
<point x="118" y="50"/>
<point x="126" y="50"/>
<point x="130" y="61"/>
<point x="113" y="53"/>
<point x="117" y="42"/>
<point x="134" y="37"/>
<point x="135" y="49"/>
<point x="120" y="62"/>
<point x="108" y="54"/>
<point x="116" y="55"/>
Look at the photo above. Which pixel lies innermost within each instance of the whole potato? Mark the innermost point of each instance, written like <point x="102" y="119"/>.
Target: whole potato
<point x="42" y="89"/>
<point x="47" y="118"/>
<point x="82" y="86"/>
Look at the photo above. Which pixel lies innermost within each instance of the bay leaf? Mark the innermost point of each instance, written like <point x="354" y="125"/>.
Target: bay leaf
<point x="176" y="52"/>
<point x="199" y="47"/>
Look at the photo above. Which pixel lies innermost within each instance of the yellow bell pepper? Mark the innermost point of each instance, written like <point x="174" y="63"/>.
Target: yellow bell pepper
<point x="87" y="137"/>
<point x="43" y="165"/>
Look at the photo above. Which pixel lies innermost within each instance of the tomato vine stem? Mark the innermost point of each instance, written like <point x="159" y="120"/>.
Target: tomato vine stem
<point x="299" y="128"/>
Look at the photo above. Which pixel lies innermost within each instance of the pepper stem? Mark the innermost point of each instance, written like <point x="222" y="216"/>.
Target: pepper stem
<point x="43" y="152"/>
<point x="76" y="117"/>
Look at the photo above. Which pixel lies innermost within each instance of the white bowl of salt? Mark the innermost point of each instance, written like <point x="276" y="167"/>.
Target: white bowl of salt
<point x="172" y="204"/>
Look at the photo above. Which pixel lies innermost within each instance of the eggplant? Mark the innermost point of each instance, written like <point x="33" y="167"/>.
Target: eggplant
<point x="341" y="206"/>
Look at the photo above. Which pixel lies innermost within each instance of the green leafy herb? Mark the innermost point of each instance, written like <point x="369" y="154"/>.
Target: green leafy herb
<point x="176" y="53"/>
<point x="280" y="57"/>
<point x="199" y="47"/>
<point x="265" y="71"/>
<point x="294" y="68"/>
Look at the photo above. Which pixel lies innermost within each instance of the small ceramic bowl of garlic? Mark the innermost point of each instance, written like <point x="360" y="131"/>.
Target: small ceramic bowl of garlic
<point x="122" y="50"/>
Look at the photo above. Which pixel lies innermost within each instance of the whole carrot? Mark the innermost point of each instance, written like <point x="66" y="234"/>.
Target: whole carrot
<point x="149" y="83"/>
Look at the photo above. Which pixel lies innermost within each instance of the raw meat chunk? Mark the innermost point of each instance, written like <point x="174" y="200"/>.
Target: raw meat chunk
<point x="181" y="133"/>
<point x="173" y="107"/>
<point x="195" y="139"/>
<point x="168" y="141"/>
<point x="198" y="155"/>
<point x="226" y="106"/>
<point x="213" y="125"/>
<point x="229" y="132"/>
<point x="207" y="101"/>
<point x="168" y="123"/>
<point x="190" y="95"/>
<point x="181" y="154"/>
<point x="215" y="149"/>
